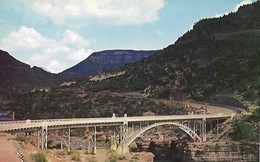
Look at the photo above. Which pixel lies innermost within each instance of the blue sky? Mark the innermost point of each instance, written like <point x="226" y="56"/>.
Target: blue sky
<point x="57" y="34"/>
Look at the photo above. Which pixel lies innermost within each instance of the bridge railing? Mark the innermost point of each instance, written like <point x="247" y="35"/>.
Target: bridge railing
<point x="116" y="119"/>
<point x="56" y="120"/>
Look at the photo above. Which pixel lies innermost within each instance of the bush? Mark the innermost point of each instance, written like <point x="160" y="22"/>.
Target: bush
<point x="74" y="155"/>
<point x="135" y="157"/>
<point x="39" y="158"/>
<point x="115" y="157"/>
<point x="243" y="131"/>
<point x="121" y="157"/>
<point x="20" y="138"/>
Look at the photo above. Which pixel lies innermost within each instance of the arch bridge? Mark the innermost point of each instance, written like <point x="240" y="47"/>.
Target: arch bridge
<point x="126" y="129"/>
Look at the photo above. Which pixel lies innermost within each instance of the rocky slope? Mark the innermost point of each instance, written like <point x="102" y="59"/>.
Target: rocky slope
<point x="103" y="61"/>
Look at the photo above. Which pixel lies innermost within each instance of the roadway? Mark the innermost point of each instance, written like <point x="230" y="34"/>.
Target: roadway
<point x="77" y="122"/>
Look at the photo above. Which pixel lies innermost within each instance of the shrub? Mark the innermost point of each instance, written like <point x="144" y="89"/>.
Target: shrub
<point x="243" y="131"/>
<point x="136" y="157"/>
<point x="39" y="158"/>
<point x="121" y="157"/>
<point x="75" y="156"/>
<point x="20" y="138"/>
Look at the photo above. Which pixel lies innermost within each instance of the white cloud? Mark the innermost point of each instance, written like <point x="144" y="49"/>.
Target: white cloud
<point x="55" y="65"/>
<point x="79" y="54"/>
<point x="118" y="11"/>
<point x="243" y="2"/>
<point x="25" y="38"/>
<point x="44" y="52"/>
<point x="71" y="37"/>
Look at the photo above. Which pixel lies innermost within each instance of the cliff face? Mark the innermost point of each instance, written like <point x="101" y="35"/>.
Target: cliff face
<point x="103" y="61"/>
<point x="17" y="77"/>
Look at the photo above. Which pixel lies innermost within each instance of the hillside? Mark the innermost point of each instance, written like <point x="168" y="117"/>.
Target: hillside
<point x="103" y="61"/>
<point x="17" y="77"/>
<point x="219" y="56"/>
<point x="217" y="61"/>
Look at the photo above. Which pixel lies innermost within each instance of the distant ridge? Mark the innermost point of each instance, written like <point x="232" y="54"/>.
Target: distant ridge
<point x="17" y="77"/>
<point x="104" y="60"/>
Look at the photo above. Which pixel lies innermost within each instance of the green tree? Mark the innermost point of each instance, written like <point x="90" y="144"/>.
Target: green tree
<point x="243" y="131"/>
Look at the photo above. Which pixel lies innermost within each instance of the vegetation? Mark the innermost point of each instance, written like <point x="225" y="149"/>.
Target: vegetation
<point x="113" y="157"/>
<point x="39" y="157"/>
<point x="136" y="157"/>
<point x="68" y="102"/>
<point x="75" y="155"/>
<point x="20" y="138"/>
<point x="248" y="128"/>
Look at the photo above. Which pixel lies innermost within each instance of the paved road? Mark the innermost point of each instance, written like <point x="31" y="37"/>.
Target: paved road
<point x="54" y="123"/>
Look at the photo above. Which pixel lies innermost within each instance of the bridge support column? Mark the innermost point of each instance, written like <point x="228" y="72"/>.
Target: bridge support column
<point x="69" y="146"/>
<point x="204" y="130"/>
<point x="114" y="140"/>
<point x="92" y="140"/>
<point x="95" y="141"/>
<point x="123" y="147"/>
<point x="44" y="134"/>
<point x="217" y="127"/>
<point x="38" y="138"/>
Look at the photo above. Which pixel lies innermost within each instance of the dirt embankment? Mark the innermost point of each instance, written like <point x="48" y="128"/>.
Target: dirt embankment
<point x="8" y="149"/>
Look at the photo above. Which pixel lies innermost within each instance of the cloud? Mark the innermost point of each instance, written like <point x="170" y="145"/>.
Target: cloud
<point x="243" y="2"/>
<point x="44" y="52"/>
<point x="25" y="38"/>
<point x="79" y="54"/>
<point x="71" y="37"/>
<point x="125" y="12"/>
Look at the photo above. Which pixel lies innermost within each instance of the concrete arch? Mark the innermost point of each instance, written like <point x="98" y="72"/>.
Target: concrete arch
<point x="187" y="130"/>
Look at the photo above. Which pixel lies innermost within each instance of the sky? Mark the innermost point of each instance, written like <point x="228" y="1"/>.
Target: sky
<point x="58" y="34"/>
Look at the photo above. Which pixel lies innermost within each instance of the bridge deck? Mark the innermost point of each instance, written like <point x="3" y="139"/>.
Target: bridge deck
<point x="55" y="123"/>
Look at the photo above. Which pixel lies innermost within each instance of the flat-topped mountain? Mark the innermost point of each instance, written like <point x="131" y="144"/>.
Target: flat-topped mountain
<point x="103" y="61"/>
